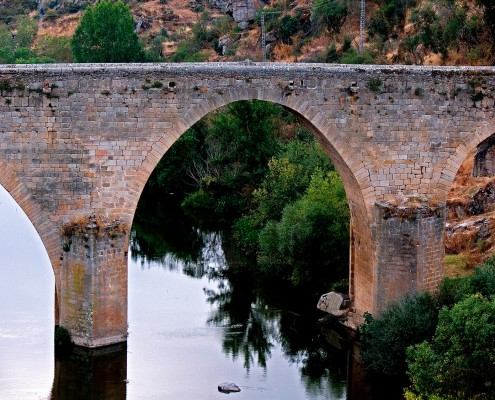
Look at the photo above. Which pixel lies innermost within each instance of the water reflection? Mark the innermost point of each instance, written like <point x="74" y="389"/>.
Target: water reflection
<point x="252" y="329"/>
<point x="91" y="374"/>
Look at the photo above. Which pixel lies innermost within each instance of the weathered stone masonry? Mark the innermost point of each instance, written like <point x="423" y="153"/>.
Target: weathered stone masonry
<point x="78" y="143"/>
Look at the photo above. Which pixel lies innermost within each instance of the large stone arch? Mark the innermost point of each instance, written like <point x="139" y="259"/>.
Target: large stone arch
<point x="352" y="170"/>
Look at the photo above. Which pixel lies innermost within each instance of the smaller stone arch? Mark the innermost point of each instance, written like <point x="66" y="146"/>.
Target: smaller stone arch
<point x="481" y="140"/>
<point x="484" y="159"/>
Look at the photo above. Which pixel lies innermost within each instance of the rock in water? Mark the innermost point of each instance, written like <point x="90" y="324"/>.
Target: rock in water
<point x="228" y="387"/>
<point x="332" y="303"/>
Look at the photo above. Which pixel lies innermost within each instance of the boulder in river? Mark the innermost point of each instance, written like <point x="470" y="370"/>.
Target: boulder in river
<point x="228" y="387"/>
<point x="333" y="303"/>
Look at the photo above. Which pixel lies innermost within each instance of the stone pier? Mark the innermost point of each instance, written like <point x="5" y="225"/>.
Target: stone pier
<point x="410" y="246"/>
<point x="93" y="282"/>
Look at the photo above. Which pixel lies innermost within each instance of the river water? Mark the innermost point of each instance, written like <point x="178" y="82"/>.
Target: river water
<point x="192" y="325"/>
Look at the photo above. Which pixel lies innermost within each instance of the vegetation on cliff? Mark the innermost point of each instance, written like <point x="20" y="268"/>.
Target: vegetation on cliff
<point x="449" y="32"/>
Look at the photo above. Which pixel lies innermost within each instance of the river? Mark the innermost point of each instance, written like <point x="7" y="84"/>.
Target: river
<point x="192" y="325"/>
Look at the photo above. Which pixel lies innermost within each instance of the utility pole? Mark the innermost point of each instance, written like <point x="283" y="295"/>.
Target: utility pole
<point x="362" y="23"/>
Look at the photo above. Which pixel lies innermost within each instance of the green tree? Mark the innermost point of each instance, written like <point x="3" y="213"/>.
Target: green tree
<point x="458" y="363"/>
<point x="26" y="30"/>
<point x="106" y="34"/>
<point x="331" y="14"/>
<point x="287" y="180"/>
<point x="309" y="246"/>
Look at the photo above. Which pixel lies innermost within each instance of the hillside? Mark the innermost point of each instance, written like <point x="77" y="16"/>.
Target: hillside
<point x="430" y="32"/>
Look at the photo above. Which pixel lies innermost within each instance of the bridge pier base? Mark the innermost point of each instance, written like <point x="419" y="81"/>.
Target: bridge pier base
<point x="410" y="250"/>
<point x="93" y="282"/>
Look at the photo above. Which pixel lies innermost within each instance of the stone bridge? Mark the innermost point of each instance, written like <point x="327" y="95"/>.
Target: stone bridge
<point x="78" y="143"/>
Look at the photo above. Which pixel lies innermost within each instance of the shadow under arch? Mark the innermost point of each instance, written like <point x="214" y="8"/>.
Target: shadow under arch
<point x="45" y="228"/>
<point x="353" y="172"/>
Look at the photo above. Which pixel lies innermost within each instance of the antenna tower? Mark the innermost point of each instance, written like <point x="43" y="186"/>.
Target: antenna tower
<point x="263" y="30"/>
<point x="362" y="25"/>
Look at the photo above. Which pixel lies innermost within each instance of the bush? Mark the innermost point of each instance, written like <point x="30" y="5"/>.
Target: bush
<point x="286" y="27"/>
<point x="455" y="289"/>
<point x="458" y="364"/>
<point x="352" y="56"/>
<point x="188" y="51"/>
<point x="55" y="47"/>
<point x="63" y="340"/>
<point x="51" y="14"/>
<point x="384" y="339"/>
<point x="391" y="16"/>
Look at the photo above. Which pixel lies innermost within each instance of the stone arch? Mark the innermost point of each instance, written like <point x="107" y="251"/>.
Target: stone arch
<point x="44" y="227"/>
<point x="352" y="170"/>
<point x="464" y="150"/>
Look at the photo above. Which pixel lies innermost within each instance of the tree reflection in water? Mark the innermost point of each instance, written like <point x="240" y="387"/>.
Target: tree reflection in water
<point x="251" y="325"/>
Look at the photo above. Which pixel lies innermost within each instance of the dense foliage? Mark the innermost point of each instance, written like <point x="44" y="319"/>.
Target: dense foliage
<point x="253" y="165"/>
<point x="106" y="34"/>
<point x="288" y="177"/>
<point x="458" y="363"/>
<point x="309" y="244"/>
<point x="450" y="353"/>
<point x="232" y="149"/>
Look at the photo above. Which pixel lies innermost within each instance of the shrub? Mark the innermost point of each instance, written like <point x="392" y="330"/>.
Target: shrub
<point x="384" y="339"/>
<point x="482" y="281"/>
<point x="55" y="47"/>
<point x="390" y="16"/>
<point x="352" y="56"/>
<point x="63" y="340"/>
